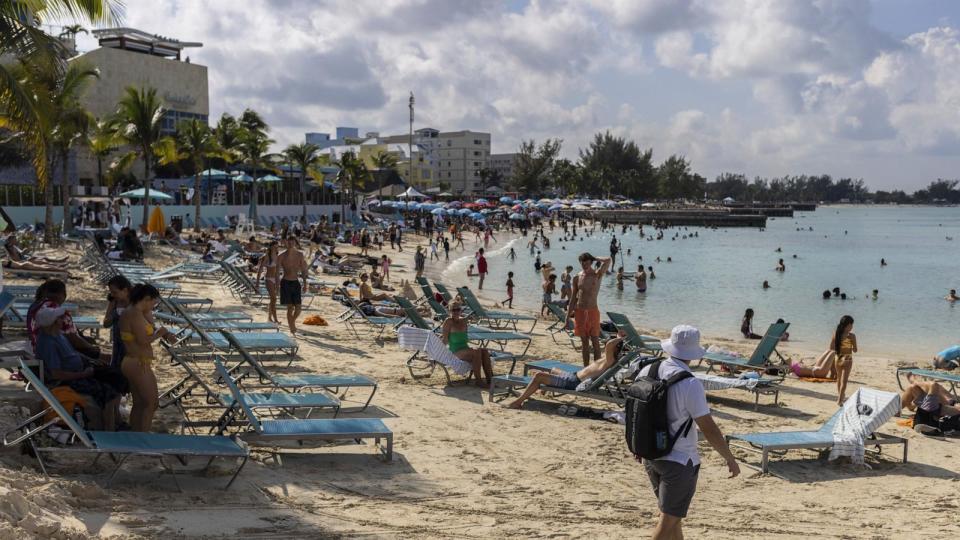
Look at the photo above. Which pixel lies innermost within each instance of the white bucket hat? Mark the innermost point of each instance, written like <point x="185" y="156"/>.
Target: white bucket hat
<point x="684" y="343"/>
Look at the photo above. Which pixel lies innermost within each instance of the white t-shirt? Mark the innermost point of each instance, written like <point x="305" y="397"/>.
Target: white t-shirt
<point x="685" y="399"/>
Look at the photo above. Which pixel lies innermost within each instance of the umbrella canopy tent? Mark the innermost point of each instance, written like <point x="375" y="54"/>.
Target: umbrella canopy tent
<point x="214" y="172"/>
<point x="243" y="177"/>
<point x="269" y="178"/>
<point x="412" y="194"/>
<point x="153" y="194"/>
<point x="392" y="190"/>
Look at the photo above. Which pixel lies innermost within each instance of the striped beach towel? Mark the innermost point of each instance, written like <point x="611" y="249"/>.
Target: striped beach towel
<point x="862" y="414"/>
<point x="717" y="382"/>
<point x="416" y="339"/>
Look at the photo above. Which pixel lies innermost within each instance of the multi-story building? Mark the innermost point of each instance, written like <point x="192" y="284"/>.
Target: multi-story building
<point x="133" y="58"/>
<point x="457" y="156"/>
<point x="345" y="136"/>
<point x="503" y="164"/>
<point x="369" y="150"/>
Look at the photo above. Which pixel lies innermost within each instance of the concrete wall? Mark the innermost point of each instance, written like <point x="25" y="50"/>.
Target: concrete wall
<point x="34" y="214"/>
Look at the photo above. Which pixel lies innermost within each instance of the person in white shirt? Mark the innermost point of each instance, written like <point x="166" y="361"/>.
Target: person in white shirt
<point x="674" y="476"/>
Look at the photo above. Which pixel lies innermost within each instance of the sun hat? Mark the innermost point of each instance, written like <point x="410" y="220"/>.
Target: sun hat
<point x="684" y="343"/>
<point x="47" y="316"/>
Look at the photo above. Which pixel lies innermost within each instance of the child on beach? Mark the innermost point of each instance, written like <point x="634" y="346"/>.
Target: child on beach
<point x="641" y="279"/>
<point x="385" y="267"/>
<point x="844" y="344"/>
<point x="565" y="279"/>
<point x="509" y="301"/>
<point x="549" y="289"/>
<point x="746" y="325"/>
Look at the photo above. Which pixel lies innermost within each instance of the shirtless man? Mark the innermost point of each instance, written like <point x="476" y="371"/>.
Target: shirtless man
<point x="293" y="265"/>
<point x="936" y="409"/>
<point x="571" y="380"/>
<point x="583" y="304"/>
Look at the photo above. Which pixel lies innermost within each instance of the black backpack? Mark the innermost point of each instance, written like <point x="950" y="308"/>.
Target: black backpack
<point x="648" y="428"/>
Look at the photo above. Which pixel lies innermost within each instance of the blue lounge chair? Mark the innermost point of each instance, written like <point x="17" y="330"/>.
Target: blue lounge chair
<point x="778" y="443"/>
<point x="269" y="432"/>
<point x="239" y="326"/>
<point x="482" y="335"/>
<point x="946" y="377"/>
<point x="603" y="388"/>
<point x="356" y="315"/>
<point x="760" y="360"/>
<point x="493" y="318"/>
<point x="119" y="443"/>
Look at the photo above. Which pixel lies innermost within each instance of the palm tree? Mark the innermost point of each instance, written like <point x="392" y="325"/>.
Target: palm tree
<point x="227" y="136"/>
<point x="386" y="162"/>
<point x="32" y="47"/>
<point x="102" y="140"/>
<point x="196" y="142"/>
<point x="71" y="30"/>
<point x="306" y="156"/>
<point x="254" y="146"/>
<point x="140" y="116"/>
<point x="353" y="172"/>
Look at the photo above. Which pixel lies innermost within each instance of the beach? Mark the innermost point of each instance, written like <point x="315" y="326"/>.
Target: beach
<point x="464" y="467"/>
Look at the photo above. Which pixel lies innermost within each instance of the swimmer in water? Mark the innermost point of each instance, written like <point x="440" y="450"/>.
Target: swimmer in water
<point x="766" y="284"/>
<point x="952" y="296"/>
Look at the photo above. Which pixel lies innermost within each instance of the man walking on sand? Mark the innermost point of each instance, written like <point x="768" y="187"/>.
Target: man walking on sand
<point x="481" y="268"/>
<point x="674" y="476"/>
<point x="293" y="265"/>
<point x="583" y="305"/>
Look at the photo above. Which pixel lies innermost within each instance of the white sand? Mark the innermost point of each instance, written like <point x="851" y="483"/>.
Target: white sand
<point x="466" y="468"/>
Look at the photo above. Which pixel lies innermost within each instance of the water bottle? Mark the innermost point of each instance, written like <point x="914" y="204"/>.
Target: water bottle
<point x="78" y="415"/>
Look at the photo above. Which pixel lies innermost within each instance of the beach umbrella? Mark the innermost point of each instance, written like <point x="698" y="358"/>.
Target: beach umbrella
<point x="556" y="207"/>
<point x="451" y="211"/>
<point x="153" y="194"/>
<point x="438" y="211"/>
<point x="156" y="222"/>
<point x="480" y="201"/>
<point x="269" y="178"/>
<point x="648" y="205"/>
<point x="388" y="204"/>
<point x="242" y="177"/>
<point x="506" y="200"/>
<point x="517" y="208"/>
<point x="535" y="214"/>
<point x="214" y="172"/>
<point x="517" y="217"/>
<point x="464" y="211"/>
<point x="477" y="216"/>
<point x="373" y="202"/>
<point x="455" y="204"/>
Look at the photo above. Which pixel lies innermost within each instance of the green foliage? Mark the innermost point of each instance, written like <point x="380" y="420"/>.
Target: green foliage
<point x="614" y="165"/>
<point x="531" y="173"/>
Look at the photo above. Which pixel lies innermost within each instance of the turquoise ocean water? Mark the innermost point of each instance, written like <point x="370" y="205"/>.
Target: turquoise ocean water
<point x="715" y="276"/>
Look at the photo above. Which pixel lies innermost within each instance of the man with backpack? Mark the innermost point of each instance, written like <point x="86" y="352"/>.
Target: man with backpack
<point x="661" y="409"/>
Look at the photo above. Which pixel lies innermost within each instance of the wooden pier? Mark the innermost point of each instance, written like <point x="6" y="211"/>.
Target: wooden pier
<point x="696" y="217"/>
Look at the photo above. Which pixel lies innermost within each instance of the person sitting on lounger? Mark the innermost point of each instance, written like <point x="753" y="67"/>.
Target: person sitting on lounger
<point x="366" y="291"/>
<point x="65" y="366"/>
<point x="559" y="378"/>
<point x="455" y="337"/>
<point x="17" y="255"/>
<point x="936" y="410"/>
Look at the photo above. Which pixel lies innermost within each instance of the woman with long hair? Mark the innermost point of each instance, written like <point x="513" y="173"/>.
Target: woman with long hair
<point x="746" y="325"/>
<point x="270" y="271"/>
<point x="137" y="333"/>
<point x="844" y="344"/>
<point x="455" y="338"/>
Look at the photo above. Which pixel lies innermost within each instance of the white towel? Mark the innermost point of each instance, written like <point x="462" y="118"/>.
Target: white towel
<point x="716" y="382"/>
<point x="416" y="339"/>
<point x="852" y="428"/>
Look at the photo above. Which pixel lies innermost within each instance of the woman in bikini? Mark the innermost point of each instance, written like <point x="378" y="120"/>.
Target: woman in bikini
<point x="269" y="270"/>
<point x="138" y="334"/>
<point x="455" y="337"/>
<point x="844" y="344"/>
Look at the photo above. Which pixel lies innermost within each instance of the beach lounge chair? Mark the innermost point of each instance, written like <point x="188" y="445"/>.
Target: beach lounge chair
<point x="444" y="292"/>
<point x="239" y="326"/>
<point x="848" y="432"/>
<point x="944" y="377"/>
<point x="435" y="354"/>
<point x="356" y="314"/>
<point x="206" y="316"/>
<point x="493" y="318"/>
<point x="484" y="336"/>
<point x="635" y="339"/>
<point x="270" y="432"/>
<point x="759" y="360"/>
<point x="119" y="443"/>
<point x="331" y="382"/>
<point x="603" y="388"/>
<point x="251" y="341"/>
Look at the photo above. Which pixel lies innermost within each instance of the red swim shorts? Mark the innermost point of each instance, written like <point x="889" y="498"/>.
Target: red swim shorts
<point x="586" y="322"/>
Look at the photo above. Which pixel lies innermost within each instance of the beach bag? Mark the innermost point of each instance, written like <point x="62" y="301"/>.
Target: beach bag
<point x="647" y="426"/>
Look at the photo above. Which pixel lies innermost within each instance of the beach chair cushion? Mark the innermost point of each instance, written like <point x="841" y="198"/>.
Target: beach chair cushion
<point x="132" y="442"/>
<point x="339" y="428"/>
<point x="279" y="400"/>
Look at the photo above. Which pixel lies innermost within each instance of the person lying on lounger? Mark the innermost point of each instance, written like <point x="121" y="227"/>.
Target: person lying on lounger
<point x="822" y="369"/>
<point x="17" y="255"/>
<point x="559" y="378"/>
<point x="936" y="409"/>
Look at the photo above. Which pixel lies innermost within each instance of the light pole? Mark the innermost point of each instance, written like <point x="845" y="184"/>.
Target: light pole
<point x="410" y="143"/>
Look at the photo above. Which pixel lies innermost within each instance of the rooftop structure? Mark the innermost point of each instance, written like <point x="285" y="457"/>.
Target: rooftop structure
<point x="130" y="39"/>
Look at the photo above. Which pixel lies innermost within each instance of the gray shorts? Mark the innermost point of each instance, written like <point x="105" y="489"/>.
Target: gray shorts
<point x="673" y="484"/>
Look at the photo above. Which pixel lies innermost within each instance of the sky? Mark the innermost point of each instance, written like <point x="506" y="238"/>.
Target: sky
<point x="861" y="88"/>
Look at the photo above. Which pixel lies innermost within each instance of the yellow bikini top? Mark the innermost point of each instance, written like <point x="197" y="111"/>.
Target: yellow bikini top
<point x="128" y="336"/>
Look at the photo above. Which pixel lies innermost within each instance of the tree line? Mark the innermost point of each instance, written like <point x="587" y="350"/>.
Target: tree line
<point x="612" y="165"/>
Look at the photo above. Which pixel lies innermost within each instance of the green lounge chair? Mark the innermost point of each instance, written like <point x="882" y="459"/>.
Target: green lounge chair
<point x="603" y="388"/>
<point x="356" y="314"/>
<point x="635" y="339"/>
<point x="493" y="318"/>
<point x="270" y="432"/>
<point x="759" y="360"/>
<point x="332" y="383"/>
<point x="485" y="336"/>
<point x="120" y="443"/>
<point x="779" y="442"/>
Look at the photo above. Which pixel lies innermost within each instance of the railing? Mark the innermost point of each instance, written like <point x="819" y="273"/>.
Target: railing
<point x="27" y="195"/>
<point x="31" y="195"/>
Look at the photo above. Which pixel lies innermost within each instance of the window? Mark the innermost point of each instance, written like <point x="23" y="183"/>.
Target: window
<point x="476" y="163"/>
<point x="449" y="142"/>
<point x="449" y="164"/>
<point x="476" y="152"/>
<point x="448" y="175"/>
<point x="477" y="141"/>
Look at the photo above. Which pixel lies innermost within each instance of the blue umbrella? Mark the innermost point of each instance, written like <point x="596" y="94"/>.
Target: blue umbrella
<point x="464" y="211"/>
<point x="556" y="207"/>
<point x="438" y="211"/>
<point x="480" y="201"/>
<point x="516" y="216"/>
<point x="387" y="203"/>
<point x="451" y="211"/>
<point x="413" y="206"/>
<point x="506" y="200"/>
<point x="478" y="216"/>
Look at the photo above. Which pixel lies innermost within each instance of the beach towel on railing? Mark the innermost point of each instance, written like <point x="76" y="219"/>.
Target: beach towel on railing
<point x="416" y="339"/>
<point x="716" y="382"/>
<point x="862" y="414"/>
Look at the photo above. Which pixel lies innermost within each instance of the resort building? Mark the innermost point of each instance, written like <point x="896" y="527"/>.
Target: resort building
<point x="458" y="157"/>
<point x="503" y="164"/>
<point x="128" y="57"/>
<point x="345" y="136"/>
